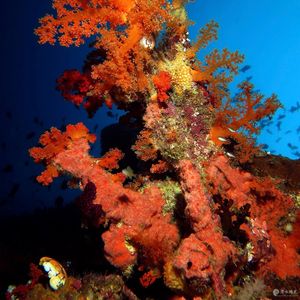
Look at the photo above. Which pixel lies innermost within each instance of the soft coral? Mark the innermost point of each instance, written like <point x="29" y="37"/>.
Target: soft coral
<point x="236" y="119"/>
<point x="118" y="26"/>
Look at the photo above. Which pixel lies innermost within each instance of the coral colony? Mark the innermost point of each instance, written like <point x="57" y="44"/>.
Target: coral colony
<point x="186" y="213"/>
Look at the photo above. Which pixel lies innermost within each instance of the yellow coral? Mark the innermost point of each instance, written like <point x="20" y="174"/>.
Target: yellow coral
<point x="180" y="71"/>
<point x="172" y="279"/>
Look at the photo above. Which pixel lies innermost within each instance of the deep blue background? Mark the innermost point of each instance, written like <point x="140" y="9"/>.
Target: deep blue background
<point x="266" y="31"/>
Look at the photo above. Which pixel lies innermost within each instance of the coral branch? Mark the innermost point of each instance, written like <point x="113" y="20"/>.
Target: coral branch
<point x="204" y="254"/>
<point x="236" y="121"/>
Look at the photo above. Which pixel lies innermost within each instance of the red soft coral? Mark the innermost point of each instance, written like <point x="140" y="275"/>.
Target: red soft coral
<point x="267" y="206"/>
<point x="162" y="83"/>
<point x="139" y="216"/>
<point x="203" y="255"/>
<point x="74" y="86"/>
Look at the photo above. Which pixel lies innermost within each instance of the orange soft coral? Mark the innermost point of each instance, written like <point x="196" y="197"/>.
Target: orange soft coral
<point x="126" y="58"/>
<point x="144" y="147"/>
<point x="160" y="167"/>
<point x="110" y="160"/>
<point x="207" y="34"/>
<point x="75" y="21"/>
<point x="236" y="120"/>
<point x="53" y="142"/>
<point x="209" y="71"/>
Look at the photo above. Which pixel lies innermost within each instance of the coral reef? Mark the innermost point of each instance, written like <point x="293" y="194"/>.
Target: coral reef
<point x="191" y="215"/>
<point x="90" y="286"/>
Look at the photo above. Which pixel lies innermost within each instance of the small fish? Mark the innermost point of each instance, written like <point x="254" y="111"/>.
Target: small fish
<point x="278" y="139"/>
<point x="269" y="131"/>
<point x="288" y="131"/>
<point x="30" y="135"/>
<point x="249" y="78"/>
<point x="13" y="191"/>
<point x="278" y="125"/>
<point x="296" y="153"/>
<point x="128" y="172"/>
<point x="262" y="126"/>
<point x="8" y="168"/>
<point x="264" y="146"/>
<point x="229" y="154"/>
<point x="298" y="130"/>
<point x="295" y="108"/>
<point x="222" y="139"/>
<point x="291" y="146"/>
<point x="265" y="123"/>
<point x="281" y="117"/>
<point x="245" y="68"/>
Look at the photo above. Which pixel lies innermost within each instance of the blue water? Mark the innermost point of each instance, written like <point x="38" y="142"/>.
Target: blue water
<point x="266" y="31"/>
